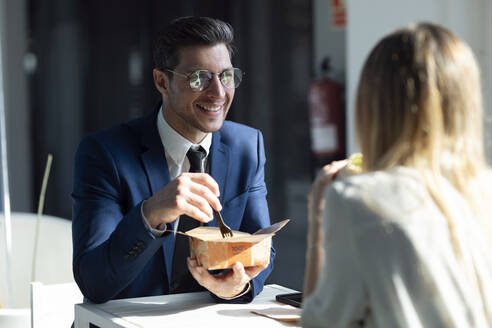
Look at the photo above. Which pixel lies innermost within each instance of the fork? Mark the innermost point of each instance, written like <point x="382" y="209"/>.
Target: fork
<point x="225" y="231"/>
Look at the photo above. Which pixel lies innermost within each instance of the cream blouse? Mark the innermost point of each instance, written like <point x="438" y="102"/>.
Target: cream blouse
<point x="389" y="260"/>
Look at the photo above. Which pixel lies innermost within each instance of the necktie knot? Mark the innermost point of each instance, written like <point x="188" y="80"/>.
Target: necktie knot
<point x="196" y="159"/>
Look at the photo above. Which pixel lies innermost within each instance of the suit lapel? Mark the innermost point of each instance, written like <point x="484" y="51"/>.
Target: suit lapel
<point x="219" y="164"/>
<point x="153" y="156"/>
<point x="155" y="165"/>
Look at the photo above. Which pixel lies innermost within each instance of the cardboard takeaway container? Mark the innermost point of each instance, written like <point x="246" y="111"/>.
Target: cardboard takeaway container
<point x="214" y="252"/>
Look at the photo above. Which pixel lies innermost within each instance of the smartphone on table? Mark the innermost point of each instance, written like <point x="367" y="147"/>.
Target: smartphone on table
<point x="294" y="299"/>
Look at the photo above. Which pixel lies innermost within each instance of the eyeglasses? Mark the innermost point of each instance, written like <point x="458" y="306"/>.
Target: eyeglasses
<point x="200" y="79"/>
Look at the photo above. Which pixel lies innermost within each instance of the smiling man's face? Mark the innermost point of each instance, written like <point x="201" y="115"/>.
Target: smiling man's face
<point x="194" y="114"/>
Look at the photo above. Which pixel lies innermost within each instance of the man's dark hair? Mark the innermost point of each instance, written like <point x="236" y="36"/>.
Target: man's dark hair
<point x="189" y="31"/>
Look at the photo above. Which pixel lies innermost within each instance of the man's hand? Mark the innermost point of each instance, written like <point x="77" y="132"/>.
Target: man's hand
<point x="227" y="285"/>
<point x="192" y="194"/>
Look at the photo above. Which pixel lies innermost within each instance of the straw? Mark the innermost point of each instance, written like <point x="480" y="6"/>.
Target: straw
<point x="40" y="213"/>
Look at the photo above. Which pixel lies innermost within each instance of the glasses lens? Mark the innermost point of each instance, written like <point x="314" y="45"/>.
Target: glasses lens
<point x="231" y="78"/>
<point x="227" y="78"/>
<point x="199" y="80"/>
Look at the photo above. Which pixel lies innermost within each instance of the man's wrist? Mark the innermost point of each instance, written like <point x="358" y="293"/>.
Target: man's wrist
<point x="159" y="230"/>
<point x="145" y="212"/>
<point x="246" y="290"/>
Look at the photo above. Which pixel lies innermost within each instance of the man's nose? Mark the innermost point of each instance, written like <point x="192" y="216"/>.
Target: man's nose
<point x="216" y="88"/>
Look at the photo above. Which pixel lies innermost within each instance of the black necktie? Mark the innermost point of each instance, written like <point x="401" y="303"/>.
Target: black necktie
<point x="181" y="279"/>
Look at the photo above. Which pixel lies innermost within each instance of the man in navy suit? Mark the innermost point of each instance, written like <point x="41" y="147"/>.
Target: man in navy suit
<point x="131" y="182"/>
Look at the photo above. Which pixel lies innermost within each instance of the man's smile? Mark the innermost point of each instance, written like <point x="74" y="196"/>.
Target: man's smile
<point x="210" y="107"/>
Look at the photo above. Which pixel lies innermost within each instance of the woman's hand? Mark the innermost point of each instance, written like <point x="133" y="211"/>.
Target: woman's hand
<point x="316" y="203"/>
<point x="316" y="206"/>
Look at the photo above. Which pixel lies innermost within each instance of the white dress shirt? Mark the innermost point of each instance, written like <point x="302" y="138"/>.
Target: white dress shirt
<point x="176" y="146"/>
<point x="389" y="260"/>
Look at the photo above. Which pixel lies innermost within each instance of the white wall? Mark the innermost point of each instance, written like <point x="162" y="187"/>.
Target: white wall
<point x="368" y="21"/>
<point x="328" y="41"/>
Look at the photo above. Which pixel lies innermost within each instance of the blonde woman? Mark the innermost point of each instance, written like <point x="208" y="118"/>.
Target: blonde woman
<point x="408" y="242"/>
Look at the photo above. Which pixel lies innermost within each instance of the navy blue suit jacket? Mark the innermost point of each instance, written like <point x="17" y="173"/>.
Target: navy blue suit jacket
<point x="114" y="256"/>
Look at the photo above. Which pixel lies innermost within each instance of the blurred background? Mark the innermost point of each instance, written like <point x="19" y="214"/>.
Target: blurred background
<point x="72" y="67"/>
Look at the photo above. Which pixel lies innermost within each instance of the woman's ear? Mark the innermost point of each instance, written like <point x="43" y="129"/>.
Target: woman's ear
<point x="161" y="81"/>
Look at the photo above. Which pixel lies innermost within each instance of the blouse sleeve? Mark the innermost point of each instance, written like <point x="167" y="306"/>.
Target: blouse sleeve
<point x="339" y="299"/>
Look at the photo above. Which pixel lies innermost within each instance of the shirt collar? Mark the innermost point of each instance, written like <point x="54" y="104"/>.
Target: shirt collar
<point x="175" y="144"/>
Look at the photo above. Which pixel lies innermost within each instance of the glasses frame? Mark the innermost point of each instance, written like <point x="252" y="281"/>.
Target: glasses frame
<point x="188" y="76"/>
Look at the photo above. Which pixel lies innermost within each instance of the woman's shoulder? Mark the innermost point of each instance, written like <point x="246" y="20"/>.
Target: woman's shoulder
<point x="380" y="184"/>
<point x="378" y="197"/>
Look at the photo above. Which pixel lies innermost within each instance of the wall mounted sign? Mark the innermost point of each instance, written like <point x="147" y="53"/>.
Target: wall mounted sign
<point x="338" y="13"/>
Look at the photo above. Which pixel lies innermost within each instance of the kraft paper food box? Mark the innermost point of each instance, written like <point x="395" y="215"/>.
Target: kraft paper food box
<point x="214" y="252"/>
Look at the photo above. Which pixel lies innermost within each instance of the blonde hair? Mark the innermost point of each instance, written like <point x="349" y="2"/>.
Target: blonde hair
<point x="423" y="83"/>
<point x="419" y="104"/>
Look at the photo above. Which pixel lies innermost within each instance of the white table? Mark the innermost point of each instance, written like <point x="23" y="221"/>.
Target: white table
<point x="195" y="310"/>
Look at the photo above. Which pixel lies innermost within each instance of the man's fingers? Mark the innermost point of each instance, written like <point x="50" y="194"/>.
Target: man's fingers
<point x="248" y="272"/>
<point x="255" y="270"/>
<point x="238" y="269"/>
<point x="191" y="209"/>
<point x="206" y="180"/>
<point x="194" y="196"/>
<point x="195" y="213"/>
<point x="200" y="184"/>
<point x="206" y="194"/>
<point x="200" y="274"/>
<point x="239" y="275"/>
<point x="194" y="269"/>
<point x="224" y="285"/>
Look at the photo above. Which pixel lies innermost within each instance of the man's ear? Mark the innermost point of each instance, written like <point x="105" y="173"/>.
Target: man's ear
<point x="161" y="81"/>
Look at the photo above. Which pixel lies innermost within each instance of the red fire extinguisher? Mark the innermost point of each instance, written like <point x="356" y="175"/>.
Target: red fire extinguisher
<point x="327" y="119"/>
